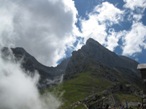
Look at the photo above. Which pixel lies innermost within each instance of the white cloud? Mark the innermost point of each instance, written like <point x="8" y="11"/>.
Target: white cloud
<point x="46" y="28"/>
<point x="137" y="17"/>
<point x="112" y="40"/>
<point x="102" y="17"/>
<point x="108" y="11"/>
<point x="91" y="28"/>
<point x="19" y="91"/>
<point x="133" y="4"/>
<point x="6" y="24"/>
<point x="134" y="40"/>
<point x="42" y="27"/>
<point x="133" y="16"/>
<point x="105" y="15"/>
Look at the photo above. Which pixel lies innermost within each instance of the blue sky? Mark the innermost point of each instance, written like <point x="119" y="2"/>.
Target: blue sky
<point x="51" y="29"/>
<point x="85" y="7"/>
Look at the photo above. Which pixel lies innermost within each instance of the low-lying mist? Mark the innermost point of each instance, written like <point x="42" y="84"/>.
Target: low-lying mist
<point x="18" y="90"/>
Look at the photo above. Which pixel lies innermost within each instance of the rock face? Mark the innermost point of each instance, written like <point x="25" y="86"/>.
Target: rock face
<point x="93" y="55"/>
<point x="29" y="63"/>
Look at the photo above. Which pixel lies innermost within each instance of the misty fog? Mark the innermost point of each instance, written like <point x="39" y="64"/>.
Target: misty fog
<point x="19" y="91"/>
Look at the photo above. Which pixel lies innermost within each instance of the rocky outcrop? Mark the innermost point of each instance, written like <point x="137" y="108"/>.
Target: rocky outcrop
<point x="93" y="55"/>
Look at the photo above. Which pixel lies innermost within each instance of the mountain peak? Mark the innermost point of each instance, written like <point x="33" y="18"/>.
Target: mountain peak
<point x="90" y="40"/>
<point x="94" y="52"/>
<point x="93" y="42"/>
<point x="95" y="47"/>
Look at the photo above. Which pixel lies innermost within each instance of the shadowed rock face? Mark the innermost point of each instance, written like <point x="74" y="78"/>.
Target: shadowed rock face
<point x="29" y="63"/>
<point x="96" y="52"/>
<point x="92" y="55"/>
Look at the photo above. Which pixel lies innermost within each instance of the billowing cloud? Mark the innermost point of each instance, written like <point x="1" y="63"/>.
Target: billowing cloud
<point x="91" y="28"/>
<point x="43" y="27"/>
<point x="47" y="28"/>
<point x="107" y="12"/>
<point x="100" y="23"/>
<point x="113" y="39"/>
<point x="135" y="39"/>
<point x="133" y="4"/>
<point x="102" y="17"/>
<point x="18" y="90"/>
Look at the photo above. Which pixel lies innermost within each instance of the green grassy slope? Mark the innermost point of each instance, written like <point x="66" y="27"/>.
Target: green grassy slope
<point x="85" y="84"/>
<point x="81" y="86"/>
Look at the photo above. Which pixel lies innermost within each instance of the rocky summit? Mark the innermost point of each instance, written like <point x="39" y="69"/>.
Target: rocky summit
<point x="93" y="56"/>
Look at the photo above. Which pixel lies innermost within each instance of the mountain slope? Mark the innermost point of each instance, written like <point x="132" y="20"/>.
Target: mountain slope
<point x="96" y="54"/>
<point x="91" y="70"/>
<point x="87" y="84"/>
<point x="91" y="56"/>
<point x="29" y="63"/>
<point x="94" y="69"/>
